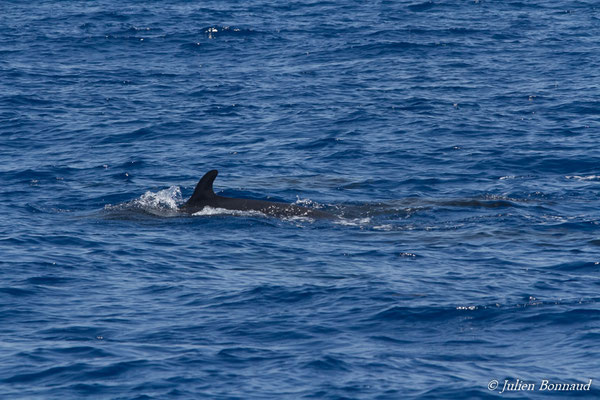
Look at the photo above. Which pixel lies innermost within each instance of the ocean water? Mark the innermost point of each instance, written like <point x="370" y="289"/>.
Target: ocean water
<point x="455" y="142"/>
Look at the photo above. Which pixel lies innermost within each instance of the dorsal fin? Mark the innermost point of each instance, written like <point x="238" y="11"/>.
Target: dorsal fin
<point x="204" y="188"/>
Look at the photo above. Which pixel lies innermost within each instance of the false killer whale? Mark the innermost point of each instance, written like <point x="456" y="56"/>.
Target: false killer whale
<point x="204" y="196"/>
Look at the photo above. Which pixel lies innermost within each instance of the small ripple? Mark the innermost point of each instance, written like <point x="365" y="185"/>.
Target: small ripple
<point x="250" y="354"/>
<point x="213" y="32"/>
<point x="579" y="266"/>
<point x="72" y="333"/>
<point x="57" y="374"/>
<point x="17" y="292"/>
<point x="48" y="280"/>
<point x="328" y="363"/>
<point x="420" y="7"/>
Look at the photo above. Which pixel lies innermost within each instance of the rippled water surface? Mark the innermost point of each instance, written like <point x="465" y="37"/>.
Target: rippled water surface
<point x="454" y="143"/>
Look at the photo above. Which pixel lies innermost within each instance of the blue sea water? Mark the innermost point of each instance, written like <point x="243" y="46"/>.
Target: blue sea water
<point x="456" y="142"/>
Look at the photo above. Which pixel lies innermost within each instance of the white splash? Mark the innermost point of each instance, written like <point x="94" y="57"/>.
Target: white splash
<point x="307" y="203"/>
<point x="353" y="222"/>
<point x="210" y="211"/>
<point x="166" y="199"/>
<point x="163" y="203"/>
<point x="471" y="308"/>
<point x="584" y="178"/>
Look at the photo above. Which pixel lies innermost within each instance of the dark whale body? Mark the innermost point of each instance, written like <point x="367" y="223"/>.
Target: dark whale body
<point x="204" y="196"/>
